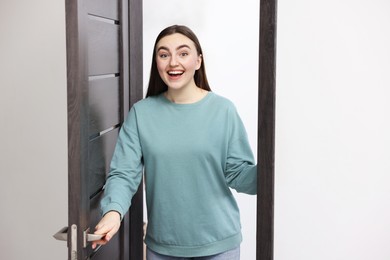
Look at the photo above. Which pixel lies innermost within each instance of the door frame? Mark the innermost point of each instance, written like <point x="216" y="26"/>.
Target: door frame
<point x="77" y="70"/>
<point x="266" y="130"/>
<point x="136" y="231"/>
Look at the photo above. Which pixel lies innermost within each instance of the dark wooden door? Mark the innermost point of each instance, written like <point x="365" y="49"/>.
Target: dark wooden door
<point x="104" y="73"/>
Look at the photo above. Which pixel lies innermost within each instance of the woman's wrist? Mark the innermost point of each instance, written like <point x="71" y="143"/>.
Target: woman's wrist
<point x="113" y="212"/>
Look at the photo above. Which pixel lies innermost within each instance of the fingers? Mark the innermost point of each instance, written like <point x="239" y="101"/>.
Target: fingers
<point x="108" y="234"/>
<point x="108" y="226"/>
<point x="98" y="242"/>
<point x="103" y="228"/>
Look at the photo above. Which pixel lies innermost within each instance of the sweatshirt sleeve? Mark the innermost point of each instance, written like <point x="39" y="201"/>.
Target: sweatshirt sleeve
<point x="125" y="169"/>
<point x="241" y="170"/>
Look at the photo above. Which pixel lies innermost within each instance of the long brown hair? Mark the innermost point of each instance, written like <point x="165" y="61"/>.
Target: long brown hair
<point x="156" y="84"/>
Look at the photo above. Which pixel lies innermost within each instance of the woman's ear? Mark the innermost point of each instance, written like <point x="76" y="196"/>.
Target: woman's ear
<point x="199" y="61"/>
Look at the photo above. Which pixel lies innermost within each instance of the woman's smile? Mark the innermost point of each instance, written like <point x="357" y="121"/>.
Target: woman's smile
<point x="175" y="74"/>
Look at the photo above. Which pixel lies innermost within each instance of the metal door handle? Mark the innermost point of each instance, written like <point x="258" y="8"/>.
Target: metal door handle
<point x="63" y="235"/>
<point x="92" y="237"/>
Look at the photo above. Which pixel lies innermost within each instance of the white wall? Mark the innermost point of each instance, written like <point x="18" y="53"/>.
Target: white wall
<point x="33" y="138"/>
<point x="228" y="32"/>
<point x="332" y="130"/>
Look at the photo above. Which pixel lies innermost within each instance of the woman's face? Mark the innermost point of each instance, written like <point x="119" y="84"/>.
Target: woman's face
<point x="177" y="60"/>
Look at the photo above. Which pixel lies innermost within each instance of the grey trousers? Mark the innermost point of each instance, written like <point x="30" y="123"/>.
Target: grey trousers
<point x="233" y="254"/>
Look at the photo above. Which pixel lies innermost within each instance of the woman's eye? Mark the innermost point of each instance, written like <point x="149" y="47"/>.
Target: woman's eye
<point x="163" y="55"/>
<point x="183" y="54"/>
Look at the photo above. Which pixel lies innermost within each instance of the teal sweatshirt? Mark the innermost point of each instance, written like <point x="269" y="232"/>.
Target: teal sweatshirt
<point x="191" y="154"/>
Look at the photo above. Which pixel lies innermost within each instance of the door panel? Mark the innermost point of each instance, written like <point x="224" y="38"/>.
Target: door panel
<point x="100" y="154"/>
<point x="100" y="93"/>
<point x="104" y="104"/>
<point x="111" y="251"/>
<point x="104" y="8"/>
<point x="103" y="46"/>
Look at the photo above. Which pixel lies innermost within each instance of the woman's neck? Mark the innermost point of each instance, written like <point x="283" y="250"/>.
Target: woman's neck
<point x="185" y="96"/>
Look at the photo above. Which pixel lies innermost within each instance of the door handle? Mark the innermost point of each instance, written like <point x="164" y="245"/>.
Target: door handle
<point x="91" y="237"/>
<point x="62" y="235"/>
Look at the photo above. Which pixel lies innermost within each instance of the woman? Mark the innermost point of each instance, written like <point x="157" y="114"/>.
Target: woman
<point x="193" y="146"/>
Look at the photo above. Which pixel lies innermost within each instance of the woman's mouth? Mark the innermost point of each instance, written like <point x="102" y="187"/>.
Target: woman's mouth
<point x="175" y="73"/>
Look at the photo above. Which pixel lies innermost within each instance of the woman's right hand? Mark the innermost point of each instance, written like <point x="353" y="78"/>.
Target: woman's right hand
<point x="108" y="226"/>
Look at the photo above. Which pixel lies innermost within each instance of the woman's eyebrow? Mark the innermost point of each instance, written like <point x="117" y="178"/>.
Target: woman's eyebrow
<point x="178" y="48"/>
<point x="183" y="46"/>
<point x="162" y="48"/>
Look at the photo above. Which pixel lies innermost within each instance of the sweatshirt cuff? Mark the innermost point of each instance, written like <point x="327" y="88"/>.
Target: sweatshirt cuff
<point x="113" y="207"/>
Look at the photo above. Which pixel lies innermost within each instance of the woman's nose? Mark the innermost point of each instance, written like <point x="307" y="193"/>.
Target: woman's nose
<point x="173" y="61"/>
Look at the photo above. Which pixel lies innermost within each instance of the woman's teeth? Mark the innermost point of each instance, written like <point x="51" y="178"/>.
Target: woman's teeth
<point x="175" y="73"/>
